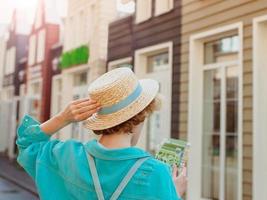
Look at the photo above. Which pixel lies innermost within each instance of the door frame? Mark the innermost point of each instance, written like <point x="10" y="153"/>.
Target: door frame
<point x="195" y="108"/>
<point x="140" y="57"/>
<point x="259" y="107"/>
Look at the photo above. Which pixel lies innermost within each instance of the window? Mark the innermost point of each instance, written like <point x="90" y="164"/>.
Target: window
<point x="158" y="62"/>
<point x="80" y="79"/>
<point x="215" y="50"/>
<point x="41" y="46"/>
<point x="36" y="88"/>
<point x="32" y="50"/>
<point x="125" y="7"/>
<point x="21" y="75"/>
<point x="163" y="6"/>
<point x="143" y="10"/>
<point x="55" y="64"/>
<point x="10" y="60"/>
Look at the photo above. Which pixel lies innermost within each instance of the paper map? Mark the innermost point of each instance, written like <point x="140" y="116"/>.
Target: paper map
<point x="174" y="151"/>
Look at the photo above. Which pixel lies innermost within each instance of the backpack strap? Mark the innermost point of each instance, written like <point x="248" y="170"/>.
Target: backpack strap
<point x="123" y="183"/>
<point x="95" y="177"/>
<point x="127" y="178"/>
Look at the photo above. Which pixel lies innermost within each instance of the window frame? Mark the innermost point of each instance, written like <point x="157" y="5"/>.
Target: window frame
<point x="140" y="60"/>
<point x="259" y="107"/>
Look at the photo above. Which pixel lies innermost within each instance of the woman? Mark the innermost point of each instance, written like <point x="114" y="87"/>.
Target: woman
<point x="108" y="168"/>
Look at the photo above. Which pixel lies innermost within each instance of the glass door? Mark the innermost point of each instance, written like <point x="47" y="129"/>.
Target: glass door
<point x="220" y="132"/>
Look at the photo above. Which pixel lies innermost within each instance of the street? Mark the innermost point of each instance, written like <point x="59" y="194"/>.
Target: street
<point x="9" y="191"/>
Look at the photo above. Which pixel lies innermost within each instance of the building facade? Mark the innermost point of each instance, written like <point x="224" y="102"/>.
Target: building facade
<point x="86" y="34"/>
<point x="15" y="49"/>
<point x="44" y="34"/>
<point x="148" y="41"/>
<point x="222" y="106"/>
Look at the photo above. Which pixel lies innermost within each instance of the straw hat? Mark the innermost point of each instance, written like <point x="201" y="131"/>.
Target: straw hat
<point x="121" y="96"/>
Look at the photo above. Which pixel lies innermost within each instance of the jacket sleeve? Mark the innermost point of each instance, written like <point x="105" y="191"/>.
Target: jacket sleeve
<point x="33" y="144"/>
<point x="168" y="186"/>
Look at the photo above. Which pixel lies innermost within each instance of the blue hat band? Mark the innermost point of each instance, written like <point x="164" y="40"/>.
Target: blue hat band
<point x="123" y="103"/>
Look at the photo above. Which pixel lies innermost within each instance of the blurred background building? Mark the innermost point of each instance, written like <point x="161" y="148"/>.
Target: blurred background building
<point x="208" y="56"/>
<point x="84" y="53"/>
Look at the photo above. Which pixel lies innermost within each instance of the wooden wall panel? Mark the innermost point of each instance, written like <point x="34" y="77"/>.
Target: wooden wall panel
<point x="205" y="15"/>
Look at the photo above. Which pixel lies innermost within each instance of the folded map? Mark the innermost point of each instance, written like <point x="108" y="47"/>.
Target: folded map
<point x="174" y="151"/>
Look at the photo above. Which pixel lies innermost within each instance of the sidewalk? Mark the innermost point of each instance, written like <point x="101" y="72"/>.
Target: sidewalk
<point x="12" y="172"/>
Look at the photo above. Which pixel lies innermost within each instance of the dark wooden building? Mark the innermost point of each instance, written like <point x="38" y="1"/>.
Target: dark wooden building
<point x="149" y="41"/>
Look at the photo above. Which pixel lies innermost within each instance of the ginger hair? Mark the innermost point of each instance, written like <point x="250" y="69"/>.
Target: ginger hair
<point x="127" y="126"/>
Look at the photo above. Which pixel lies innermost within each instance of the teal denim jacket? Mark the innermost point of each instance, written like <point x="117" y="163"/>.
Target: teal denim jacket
<point x="61" y="172"/>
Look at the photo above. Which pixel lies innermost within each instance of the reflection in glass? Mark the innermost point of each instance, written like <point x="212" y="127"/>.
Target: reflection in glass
<point x="221" y="50"/>
<point x="158" y="62"/>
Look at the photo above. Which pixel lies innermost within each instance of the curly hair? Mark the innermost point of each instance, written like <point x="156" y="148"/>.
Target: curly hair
<point x="127" y="126"/>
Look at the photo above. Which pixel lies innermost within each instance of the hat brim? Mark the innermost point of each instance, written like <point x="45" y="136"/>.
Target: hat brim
<point x="150" y="89"/>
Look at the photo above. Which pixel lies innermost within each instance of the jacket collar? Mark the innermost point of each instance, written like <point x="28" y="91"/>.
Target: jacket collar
<point x="99" y="151"/>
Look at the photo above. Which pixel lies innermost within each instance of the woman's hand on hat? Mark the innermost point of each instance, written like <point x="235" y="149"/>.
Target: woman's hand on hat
<point x="76" y="111"/>
<point x="180" y="180"/>
<point x="79" y="110"/>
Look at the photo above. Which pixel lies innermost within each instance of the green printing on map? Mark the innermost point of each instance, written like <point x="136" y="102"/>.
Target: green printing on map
<point x="174" y="151"/>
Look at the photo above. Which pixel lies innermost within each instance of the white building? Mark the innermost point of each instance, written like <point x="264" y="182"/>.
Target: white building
<point x="86" y="28"/>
